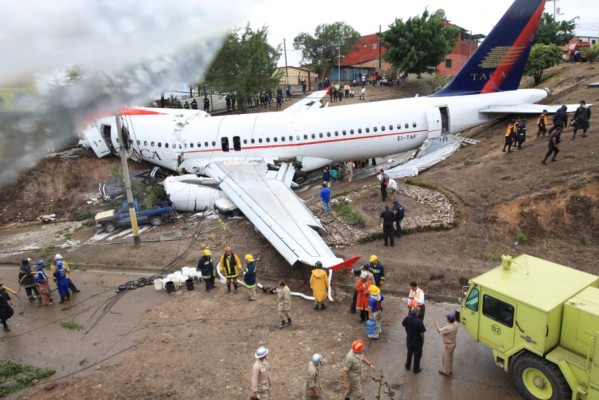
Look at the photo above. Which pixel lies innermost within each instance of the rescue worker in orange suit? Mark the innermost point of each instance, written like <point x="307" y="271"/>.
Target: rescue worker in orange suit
<point x="206" y="268"/>
<point x="416" y="299"/>
<point x="363" y="294"/>
<point x="230" y="266"/>
<point x="319" y="282"/>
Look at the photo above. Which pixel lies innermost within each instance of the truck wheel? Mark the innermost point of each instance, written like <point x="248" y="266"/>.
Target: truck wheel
<point x="155" y="221"/>
<point x="537" y="378"/>
<point x="109" y="227"/>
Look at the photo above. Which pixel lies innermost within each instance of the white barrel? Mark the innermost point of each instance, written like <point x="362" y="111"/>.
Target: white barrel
<point x="158" y="284"/>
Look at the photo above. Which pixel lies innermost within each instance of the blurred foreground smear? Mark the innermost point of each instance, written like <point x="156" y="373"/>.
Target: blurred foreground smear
<point x="128" y="51"/>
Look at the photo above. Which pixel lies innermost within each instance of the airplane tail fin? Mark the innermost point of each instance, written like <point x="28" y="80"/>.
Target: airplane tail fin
<point x="498" y="63"/>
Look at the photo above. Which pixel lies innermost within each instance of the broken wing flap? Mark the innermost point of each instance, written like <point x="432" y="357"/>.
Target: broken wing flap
<point x="347" y="264"/>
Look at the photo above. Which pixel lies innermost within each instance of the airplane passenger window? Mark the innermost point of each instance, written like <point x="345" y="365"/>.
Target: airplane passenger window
<point x="382" y="128"/>
<point x="367" y="130"/>
<point x="174" y="146"/>
<point x="166" y="145"/>
<point x="205" y="144"/>
<point x="274" y="139"/>
<point x="185" y="145"/>
<point x="313" y="136"/>
<point x="260" y="140"/>
<point x="351" y="131"/>
<point x="253" y="141"/>
<point x="152" y="144"/>
<point x="320" y="135"/>
<point x="191" y="145"/>
<point x="236" y="143"/>
<point x="374" y="129"/>
<point x="414" y="124"/>
<point x="344" y="133"/>
<point x="159" y="144"/>
<point x="328" y="134"/>
<point x="291" y="138"/>
<point x="199" y="144"/>
<point x="359" y="130"/>
<point x="267" y="140"/>
<point x="390" y="127"/>
<point x="145" y="142"/>
<point x="297" y="138"/>
<point x="213" y="144"/>
<point x="407" y="125"/>
<point x="398" y="126"/>
<point x="336" y="133"/>
<point x="305" y="137"/>
<point x="180" y="146"/>
<point x="138" y="142"/>
<point x="282" y="138"/>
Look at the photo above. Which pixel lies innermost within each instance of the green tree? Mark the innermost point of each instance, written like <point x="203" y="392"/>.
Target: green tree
<point x="592" y="54"/>
<point x="321" y="51"/>
<point x="419" y="44"/>
<point x="245" y="65"/>
<point x="542" y="56"/>
<point x="553" y="32"/>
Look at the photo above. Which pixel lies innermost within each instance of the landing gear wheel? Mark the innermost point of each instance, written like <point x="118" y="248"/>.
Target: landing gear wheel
<point x="300" y="178"/>
<point x="537" y="378"/>
<point x="155" y="221"/>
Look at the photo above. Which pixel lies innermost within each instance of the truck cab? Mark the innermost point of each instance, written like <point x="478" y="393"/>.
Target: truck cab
<point x="540" y="319"/>
<point x="120" y="217"/>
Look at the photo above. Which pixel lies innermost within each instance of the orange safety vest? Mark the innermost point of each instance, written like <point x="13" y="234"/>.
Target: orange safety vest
<point x="413" y="302"/>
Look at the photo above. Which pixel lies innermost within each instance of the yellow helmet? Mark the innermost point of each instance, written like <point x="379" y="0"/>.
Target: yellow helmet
<point x="207" y="252"/>
<point x="373" y="258"/>
<point x="374" y="290"/>
<point x="249" y="258"/>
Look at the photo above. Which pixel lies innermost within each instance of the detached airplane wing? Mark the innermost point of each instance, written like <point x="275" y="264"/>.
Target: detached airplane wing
<point x="527" y="109"/>
<point x="268" y="202"/>
<point x="312" y="101"/>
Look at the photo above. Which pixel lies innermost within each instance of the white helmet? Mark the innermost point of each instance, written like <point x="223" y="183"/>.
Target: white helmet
<point x="58" y="257"/>
<point x="316" y="358"/>
<point x="261" y="352"/>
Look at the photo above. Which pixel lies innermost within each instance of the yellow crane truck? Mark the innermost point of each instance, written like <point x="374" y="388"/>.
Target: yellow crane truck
<point x="541" y="320"/>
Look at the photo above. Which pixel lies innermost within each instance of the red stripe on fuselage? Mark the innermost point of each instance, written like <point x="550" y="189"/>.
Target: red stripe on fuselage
<point x="137" y="111"/>
<point x="296" y="144"/>
<point x="503" y="70"/>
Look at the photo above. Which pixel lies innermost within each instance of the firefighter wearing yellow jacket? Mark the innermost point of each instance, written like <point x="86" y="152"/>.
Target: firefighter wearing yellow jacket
<point x="230" y="266"/>
<point x="319" y="282"/>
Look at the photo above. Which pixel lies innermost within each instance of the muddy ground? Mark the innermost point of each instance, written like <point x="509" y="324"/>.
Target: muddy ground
<point x="493" y="195"/>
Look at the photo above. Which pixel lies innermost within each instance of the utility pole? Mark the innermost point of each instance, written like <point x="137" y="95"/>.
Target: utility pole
<point x="380" y="51"/>
<point x="127" y="180"/>
<point x="286" y="69"/>
<point x="339" y="65"/>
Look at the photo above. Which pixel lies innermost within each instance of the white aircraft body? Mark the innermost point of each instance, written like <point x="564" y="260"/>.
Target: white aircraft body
<point x="249" y="161"/>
